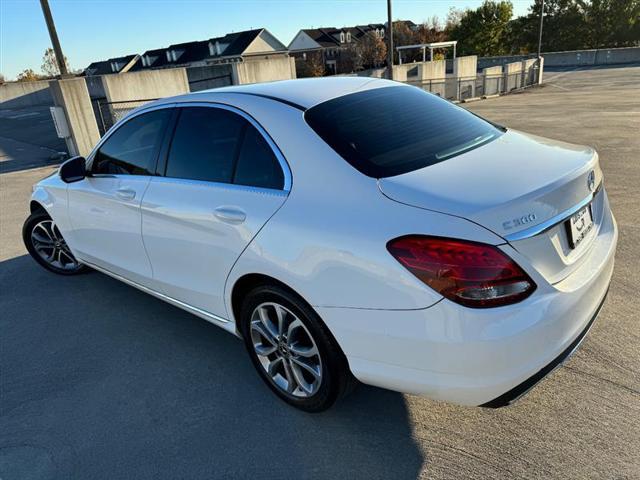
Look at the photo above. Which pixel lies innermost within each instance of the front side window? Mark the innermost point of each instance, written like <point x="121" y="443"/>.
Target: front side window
<point x="217" y="145"/>
<point x="131" y="149"/>
<point x="394" y="130"/>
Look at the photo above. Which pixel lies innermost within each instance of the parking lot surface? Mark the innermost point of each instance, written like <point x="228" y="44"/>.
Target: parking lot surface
<point x="99" y="380"/>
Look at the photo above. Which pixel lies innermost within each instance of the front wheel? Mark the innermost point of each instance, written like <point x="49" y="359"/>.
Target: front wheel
<point x="47" y="246"/>
<point x="292" y="350"/>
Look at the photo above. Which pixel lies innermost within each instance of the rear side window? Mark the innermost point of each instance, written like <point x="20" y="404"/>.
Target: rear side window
<point x="393" y="130"/>
<point x="131" y="149"/>
<point x="257" y="164"/>
<point x="205" y="144"/>
<point x="216" y="145"/>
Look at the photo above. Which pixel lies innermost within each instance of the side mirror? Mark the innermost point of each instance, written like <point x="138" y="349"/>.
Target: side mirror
<point x="73" y="170"/>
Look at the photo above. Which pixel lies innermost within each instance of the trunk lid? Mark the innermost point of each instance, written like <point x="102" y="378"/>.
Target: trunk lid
<point x="510" y="185"/>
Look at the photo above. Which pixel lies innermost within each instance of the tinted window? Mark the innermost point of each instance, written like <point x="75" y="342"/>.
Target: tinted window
<point x="257" y="164"/>
<point x="392" y="130"/>
<point x="131" y="149"/>
<point x="205" y="144"/>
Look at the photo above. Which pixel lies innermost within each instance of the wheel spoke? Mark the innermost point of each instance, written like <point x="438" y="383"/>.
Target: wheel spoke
<point x="299" y="363"/>
<point x="291" y="381"/>
<point x="264" y="332"/>
<point x="45" y="230"/>
<point x="273" y="366"/>
<point x="41" y="239"/>
<point x="303" y="351"/>
<point x="264" y="318"/>
<point x="280" y="313"/>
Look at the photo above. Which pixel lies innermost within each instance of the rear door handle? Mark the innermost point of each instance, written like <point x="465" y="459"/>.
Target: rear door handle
<point x="125" y="193"/>
<point x="232" y="215"/>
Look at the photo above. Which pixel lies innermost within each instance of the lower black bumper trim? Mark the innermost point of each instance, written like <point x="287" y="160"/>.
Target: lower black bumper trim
<point x="519" y="390"/>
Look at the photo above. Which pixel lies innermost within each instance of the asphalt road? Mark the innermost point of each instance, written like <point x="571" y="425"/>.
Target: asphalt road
<point x="102" y="381"/>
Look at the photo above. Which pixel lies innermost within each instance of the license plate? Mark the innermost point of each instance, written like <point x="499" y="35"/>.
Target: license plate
<point x="579" y="226"/>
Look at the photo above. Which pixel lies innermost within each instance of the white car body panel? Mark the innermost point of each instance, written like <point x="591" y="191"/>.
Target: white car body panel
<point x="106" y="225"/>
<point x="325" y="237"/>
<point x="190" y="248"/>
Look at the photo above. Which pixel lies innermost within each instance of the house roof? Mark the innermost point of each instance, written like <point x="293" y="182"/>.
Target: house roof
<point x="330" y="36"/>
<point x="229" y="45"/>
<point x="113" y="65"/>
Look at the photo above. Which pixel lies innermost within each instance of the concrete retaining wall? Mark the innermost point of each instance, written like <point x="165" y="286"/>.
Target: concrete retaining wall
<point x="464" y="71"/>
<point x="575" y="58"/>
<point x="513" y="75"/>
<point x="145" y="85"/>
<point x="25" y="94"/>
<point x="73" y="96"/>
<point x="492" y="80"/>
<point x="267" y="70"/>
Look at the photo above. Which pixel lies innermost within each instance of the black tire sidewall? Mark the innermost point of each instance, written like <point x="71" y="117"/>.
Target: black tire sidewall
<point x="334" y="365"/>
<point x="27" y="228"/>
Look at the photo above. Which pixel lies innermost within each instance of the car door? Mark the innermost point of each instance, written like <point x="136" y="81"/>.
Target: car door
<point x="223" y="179"/>
<point x="104" y="208"/>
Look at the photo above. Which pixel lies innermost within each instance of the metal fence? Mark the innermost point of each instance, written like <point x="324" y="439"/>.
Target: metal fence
<point x="108" y="113"/>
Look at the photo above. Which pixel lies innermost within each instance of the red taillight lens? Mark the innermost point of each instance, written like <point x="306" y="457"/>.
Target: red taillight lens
<point x="471" y="274"/>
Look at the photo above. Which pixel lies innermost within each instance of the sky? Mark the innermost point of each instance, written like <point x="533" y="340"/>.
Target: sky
<point x="93" y="30"/>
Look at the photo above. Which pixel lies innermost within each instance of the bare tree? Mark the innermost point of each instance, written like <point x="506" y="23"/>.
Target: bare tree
<point x="28" y="75"/>
<point x="50" y="64"/>
<point x="2" y="79"/>
<point x="373" y="50"/>
<point x="311" y="66"/>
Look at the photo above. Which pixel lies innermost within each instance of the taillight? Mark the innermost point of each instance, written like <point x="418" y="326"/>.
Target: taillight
<point x="469" y="273"/>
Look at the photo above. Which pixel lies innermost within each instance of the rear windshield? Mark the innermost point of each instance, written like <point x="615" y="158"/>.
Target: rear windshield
<point x="393" y="130"/>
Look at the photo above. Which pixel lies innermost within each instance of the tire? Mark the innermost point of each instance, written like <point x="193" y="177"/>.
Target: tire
<point x="295" y="385"/>
<point x="52" y="252"/>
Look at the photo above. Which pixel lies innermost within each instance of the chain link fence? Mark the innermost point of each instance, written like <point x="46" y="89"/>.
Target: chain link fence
<point x="109" y="113"/>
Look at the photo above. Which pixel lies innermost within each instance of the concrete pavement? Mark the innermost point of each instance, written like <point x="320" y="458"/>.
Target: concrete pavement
<point x="102" y="381"/>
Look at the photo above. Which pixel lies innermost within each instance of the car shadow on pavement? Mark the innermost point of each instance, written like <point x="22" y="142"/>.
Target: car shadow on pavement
<point x="103" y="381"/>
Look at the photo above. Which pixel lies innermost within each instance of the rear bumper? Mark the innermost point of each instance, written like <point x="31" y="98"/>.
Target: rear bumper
<point x="473" y="357"/>
<point x="521" y="389"/>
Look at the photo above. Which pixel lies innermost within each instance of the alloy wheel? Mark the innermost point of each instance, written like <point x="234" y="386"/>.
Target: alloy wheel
<point x="286" y="350"/>
<point x="51" y="246"/>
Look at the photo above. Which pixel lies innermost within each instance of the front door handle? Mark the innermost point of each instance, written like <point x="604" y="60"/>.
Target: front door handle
<point x="125" y="193"/>
<point x="232" y="215"/>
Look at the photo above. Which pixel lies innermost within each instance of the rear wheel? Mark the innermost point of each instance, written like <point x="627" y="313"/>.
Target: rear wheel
<point x="292" y="350"/>
<point x="48" y="247"/>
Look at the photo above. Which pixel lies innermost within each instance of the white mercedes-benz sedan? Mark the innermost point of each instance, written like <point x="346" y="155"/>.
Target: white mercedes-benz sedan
<point x="345" y="228"/>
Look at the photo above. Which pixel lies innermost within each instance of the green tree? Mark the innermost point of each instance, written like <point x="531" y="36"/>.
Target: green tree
<point x="483" y="31"/>
<point x="612" y="23"/>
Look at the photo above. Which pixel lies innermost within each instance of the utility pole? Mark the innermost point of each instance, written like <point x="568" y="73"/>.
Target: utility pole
<point x="540" y="34"/>
<point x="389" y="41"/>
<point x="54" y="38"/>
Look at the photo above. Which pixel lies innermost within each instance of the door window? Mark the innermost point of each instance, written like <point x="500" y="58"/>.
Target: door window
<point x="205" y="144"/>
<point x="131" y="149"/>
<point x="257" y="165"/>
<point x="217" y="145"/>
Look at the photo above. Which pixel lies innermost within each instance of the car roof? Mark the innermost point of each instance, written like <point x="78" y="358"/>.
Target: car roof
<point x="302" y="93"/>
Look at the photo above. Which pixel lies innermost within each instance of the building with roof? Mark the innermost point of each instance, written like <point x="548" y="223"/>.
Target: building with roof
<point x="331" y="42"/>
<point x="230" y="48"/>
<point x="113" y="65"/>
